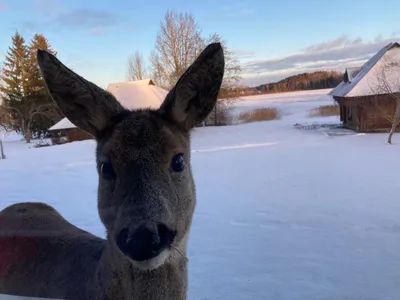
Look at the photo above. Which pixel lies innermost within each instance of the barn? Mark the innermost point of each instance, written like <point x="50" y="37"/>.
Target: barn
<point x="131" y="95"/>
<point x="367" y="94"/>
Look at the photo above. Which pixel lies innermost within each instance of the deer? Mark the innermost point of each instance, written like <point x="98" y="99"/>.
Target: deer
<point x="146" y="194"/>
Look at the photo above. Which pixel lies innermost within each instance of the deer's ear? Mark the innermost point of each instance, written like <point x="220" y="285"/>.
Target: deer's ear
<point x="86" y="105"/>
<point x="195" y="94"/>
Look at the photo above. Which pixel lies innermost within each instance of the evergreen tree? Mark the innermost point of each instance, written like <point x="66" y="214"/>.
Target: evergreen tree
<point x="13" y="89"/>
<point x="24" y="96"/>
<point x="48" y="112"/>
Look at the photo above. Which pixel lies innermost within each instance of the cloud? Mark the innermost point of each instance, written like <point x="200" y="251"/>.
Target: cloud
<point x="336" y="54"/>
<point x="85" y="19"/>
<point x="55" y="16"/>
<point x="243" y="54"/>
<point x="48" y="8"/>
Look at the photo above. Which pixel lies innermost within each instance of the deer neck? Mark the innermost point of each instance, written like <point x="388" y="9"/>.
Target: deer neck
<point x="117" y="278"/>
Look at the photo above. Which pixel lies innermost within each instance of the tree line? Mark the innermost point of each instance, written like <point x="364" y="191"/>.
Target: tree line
<point x="299" y="82"/>
<point x="304" y="81"/>
<point x="26" y="107"/>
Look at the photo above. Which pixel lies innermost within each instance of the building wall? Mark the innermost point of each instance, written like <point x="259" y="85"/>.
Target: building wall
<point x="71" y="135"/>
<point x="367" y="114"/>
<point x="353" y="117"/>
<point x="377" y="114"/>
<point x="349" y="113"/>
<point x="76" y="134"/>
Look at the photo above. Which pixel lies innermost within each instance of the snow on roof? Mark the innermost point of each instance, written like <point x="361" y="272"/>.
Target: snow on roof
<point x="132" y="95"/>
<point x="63" y="124"/>
<point x="138" y="94"/>
<point x="363" y="81"/>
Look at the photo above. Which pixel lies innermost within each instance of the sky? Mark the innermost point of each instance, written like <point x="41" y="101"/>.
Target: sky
<point x="272" y="39"/>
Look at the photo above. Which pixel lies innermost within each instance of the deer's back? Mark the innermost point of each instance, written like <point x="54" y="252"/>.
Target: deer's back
<point x="43" y="255"/>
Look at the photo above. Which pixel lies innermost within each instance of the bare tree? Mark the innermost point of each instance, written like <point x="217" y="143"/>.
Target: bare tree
<point x="387" y="82"/>
<point x="12" y="118"/>
<point x="178" y="43"/>
<point x="136" y="67"/>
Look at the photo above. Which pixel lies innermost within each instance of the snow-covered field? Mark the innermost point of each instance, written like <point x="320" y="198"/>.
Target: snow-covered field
<point x="9" y="136"/>
<point x="282" y="213"/>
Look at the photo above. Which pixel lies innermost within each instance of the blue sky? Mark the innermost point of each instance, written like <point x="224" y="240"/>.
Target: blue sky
<point x="272" y="39"/>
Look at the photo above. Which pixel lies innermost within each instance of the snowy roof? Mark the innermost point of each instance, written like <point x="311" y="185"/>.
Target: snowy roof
<point x="364" y="81"/>
<point x="63" y="124"/>
<point x="132" y="95"/>
<point x="138" y="94"/>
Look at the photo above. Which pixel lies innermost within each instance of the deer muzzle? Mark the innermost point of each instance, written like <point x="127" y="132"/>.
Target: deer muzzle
<point x="145" y="242"/>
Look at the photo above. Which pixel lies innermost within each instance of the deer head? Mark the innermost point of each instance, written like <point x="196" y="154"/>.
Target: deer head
<point x="146" y="192"/>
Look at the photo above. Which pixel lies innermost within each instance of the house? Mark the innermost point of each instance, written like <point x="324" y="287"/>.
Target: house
<point x="131" y="95"/>
<point x="365" y="95"/>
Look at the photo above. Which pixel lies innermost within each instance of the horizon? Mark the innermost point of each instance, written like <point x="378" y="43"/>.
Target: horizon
<point x="97" y="38"/>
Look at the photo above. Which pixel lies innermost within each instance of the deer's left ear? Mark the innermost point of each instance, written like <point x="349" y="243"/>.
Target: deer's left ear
<point x="195" y="94"/>
<point x="86" y="105"/>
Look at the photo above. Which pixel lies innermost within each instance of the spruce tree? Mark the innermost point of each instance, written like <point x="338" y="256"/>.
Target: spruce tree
<point x="47" y="112"/>
<point x="24" y="95"/>
<point x="13" y="89"/>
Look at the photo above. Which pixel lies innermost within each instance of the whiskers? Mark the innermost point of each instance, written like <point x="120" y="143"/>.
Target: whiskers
<point x="180" y="253"/>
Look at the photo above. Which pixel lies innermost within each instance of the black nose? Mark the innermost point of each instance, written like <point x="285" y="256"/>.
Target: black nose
<point x="144" y="244"/>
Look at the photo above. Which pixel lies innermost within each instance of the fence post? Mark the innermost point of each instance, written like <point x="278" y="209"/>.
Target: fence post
<point x="2" y="155"/>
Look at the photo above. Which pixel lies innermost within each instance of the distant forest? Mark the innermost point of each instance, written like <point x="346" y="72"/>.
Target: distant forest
<point x="304" y="81"/>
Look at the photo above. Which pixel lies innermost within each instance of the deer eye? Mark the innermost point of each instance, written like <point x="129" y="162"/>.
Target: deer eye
<point x="107" y="171"/>
<point x="178" y="163"/>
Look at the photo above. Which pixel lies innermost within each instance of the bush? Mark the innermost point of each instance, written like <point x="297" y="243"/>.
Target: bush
<point x="325" y="111"/>
<point x="260" y="114"/>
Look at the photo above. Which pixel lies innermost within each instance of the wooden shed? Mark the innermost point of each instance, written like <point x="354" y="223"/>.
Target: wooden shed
<point x="366" y="94"/>
<point x="131" y="95"/>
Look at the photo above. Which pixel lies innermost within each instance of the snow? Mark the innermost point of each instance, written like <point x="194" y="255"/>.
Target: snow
<point x="138" y="94"/>
<point x="282" y="213"/>
<point x="62" y="124"/>
<point x="9" y="136"/>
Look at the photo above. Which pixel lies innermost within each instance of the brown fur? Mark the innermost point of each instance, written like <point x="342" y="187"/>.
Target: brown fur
<point x="42" y="255"/>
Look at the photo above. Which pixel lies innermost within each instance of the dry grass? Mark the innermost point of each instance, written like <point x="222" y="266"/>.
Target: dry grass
<point x="260" y="114"/>
<point x="325" y="111"/>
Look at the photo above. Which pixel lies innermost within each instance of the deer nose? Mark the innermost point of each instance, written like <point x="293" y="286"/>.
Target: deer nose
<point x="144" y="243"/>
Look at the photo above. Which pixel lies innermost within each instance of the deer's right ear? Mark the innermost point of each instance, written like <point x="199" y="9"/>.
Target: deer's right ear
<point x="195" y="94"/>
<point x="86" y="105"/>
